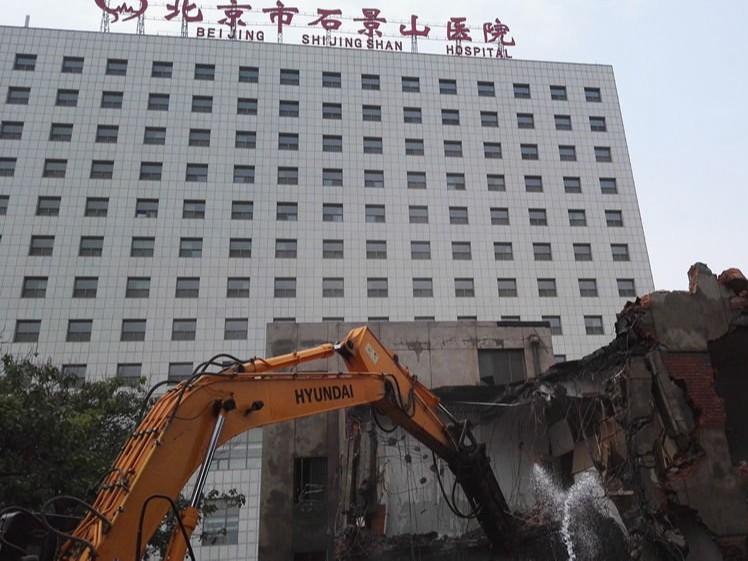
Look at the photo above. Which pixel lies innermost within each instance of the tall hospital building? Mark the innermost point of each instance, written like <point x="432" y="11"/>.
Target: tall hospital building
<point x="163" y="199"/>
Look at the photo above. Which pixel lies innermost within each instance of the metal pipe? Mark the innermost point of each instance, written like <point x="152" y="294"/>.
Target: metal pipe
<point x="202" y="476"/>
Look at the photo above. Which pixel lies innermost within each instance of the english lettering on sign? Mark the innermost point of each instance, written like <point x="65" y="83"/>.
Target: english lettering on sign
<point x="326" y="393"/>
<point x="227" y="33"/>
<point x="351" y="42"/>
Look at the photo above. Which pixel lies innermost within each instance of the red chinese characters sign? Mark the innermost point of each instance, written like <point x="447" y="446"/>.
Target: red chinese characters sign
<point x="368" y="29"/>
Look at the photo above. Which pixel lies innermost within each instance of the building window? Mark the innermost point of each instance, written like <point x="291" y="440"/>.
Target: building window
<point x="41" y="245"/>
<point x="72" y="65"/>
<point x="27" y="331"/>
<point x="332" y="177"/>
<point x="61" y="132"/>
<point x="455" y="182"/>
<point x="332" y="212"/>
<point x="242" y="210"/>
<point x="45" y="206"/>
<point x="19" y="96"/>
<point x="116" y="67"/>
<point x="592" y="95"/>
<point x="187" y="287"/>
<point x="91" y="246"/>
<point x="138" y="287"/>
<point x="79" y="330"/>
<point x="626" y="287"/>
<point x="235" y="329"/>
<point x="614" y="218"/>
<point x="240" y="248"/>
<point x="331" y="80"/>
<point x="107" y="134"/>
<point x="288" y="176"/>
<point x="461" y="251"/>
<point x="603" y="154"/>
<point x="332" y="111"/>
<point x="608" y="186"/>
<point x="369" y="81"/>
<point x="332" y="143"/>
<point x="582" y="252"/>
<point x="332" y="287"/>
<point x="24" y="62"/>
<point x="412" y="115"/>
<point x="179" y="371"/>
<point x="199" y="137"/>
<point x="458" y="215"/>
<point x="486" y="89"/>
<point x="414" y="147"/>
<point x="102" y="169"/>
<point x="191" y="247"/>
<point x="289" y="77"/>
<point x="244" y="174"/>
<point x="4" y="199"/>
<point x="202" y="104"/>
<point x="588" y="288"/>
<point x="193" y="208"/>
<point x="65" y="98"/>
<point x="525" y="121"/>
<point x="447" y="87"/>
<point x="533" y="184"/>
<point x="371" y="113"/>
<point x="547" y="288"/>
<point x="572" y="185"/>
<point x="183" y="329"/>
<point x="154" y="135"/>
<point x="577" y="217"/>
<point x="376" y="249"/>
<point x="374" y="213"/>
<point x="157" y="102"/>
<point x="453" y="148"/>
<point x="376" y="287"/>
<point x="554" y="322"/>
<point x="558" y="93"/>
<point x="249" y="74"/>
<point x="142" y="247"/>
<point x="11" y="130"/>
<point x="450" y="117"/>
<point x="373" y="145"/>
<point x="597" y="124"/>
<point x="420" y="250"/>
<point x="205" y="72"/>
<point x="542" y="251"/>
<point x="593" y="325"/>
<point x="285" y="249"/>
<point x="502" y="251"/>
<point x="248" y="106"/>
<point x="287" y="212"/>
<point x="150" y="171"/>
<point x="310" y="483"/>
<point x="54" y="168"/>
<point x="411" y="84"/>
<point x="492" y="150"/>
<point x="521" y="91"/>
<point x="129" y="371"/>
<point x="416" y="179"/>
<point x="620" y="251"/>
<point x="245" y="139"/>
<point x="34" y="287"/>
<point x="237" y="287"/>
<point x="96" y="207"/>
<point x="418" y="214"/>
<point x="423" y="288"/>
<point x="161" y="69"/>
<point x="489" y="119"/>
<point x="146" y="208"/>
<point x="495" y="182"/>
<point x="529" y="151"/>
<point x="563" y="122"/>
<point x="507" y="287"/>
<point x="332" y="249"/>
<point x="288" y="141"/>
<point x="501" y="367"/>
<point x="133" y="330"/>
<point x="567" y="153"/>
<point x="499" y="216"/>
<point x="374" y="178"/>
<point x="284" y="287"/>
<point x="538" y="217"/>
<point x="196" y="173"/>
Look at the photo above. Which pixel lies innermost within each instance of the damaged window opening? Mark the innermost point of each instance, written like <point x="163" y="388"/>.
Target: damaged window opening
<point x="500" y="367"/>
<point x="310" y="482"/>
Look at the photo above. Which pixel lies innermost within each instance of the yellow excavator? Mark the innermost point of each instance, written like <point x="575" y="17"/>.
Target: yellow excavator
<point x="183" y="429"/>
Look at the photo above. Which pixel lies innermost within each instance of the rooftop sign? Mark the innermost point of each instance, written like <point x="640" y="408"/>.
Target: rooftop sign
<point x="367" y="30"/>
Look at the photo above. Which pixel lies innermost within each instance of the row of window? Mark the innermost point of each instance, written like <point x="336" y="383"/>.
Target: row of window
<point x="292" y="77"/>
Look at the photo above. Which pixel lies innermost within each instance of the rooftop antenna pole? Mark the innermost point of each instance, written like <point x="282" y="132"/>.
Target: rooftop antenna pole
<point x="28" y="20"/>
<point x="141" y="24"/>
<point x="104" y="27"/>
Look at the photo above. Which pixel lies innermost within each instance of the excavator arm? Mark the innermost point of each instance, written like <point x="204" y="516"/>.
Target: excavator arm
<point x="204" y="412"/>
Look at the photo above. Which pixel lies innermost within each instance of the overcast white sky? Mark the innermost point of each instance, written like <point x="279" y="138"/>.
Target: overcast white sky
<point x="682" y="79"/>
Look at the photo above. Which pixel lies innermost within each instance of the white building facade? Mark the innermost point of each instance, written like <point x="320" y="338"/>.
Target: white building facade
<point x="163" y="199"/>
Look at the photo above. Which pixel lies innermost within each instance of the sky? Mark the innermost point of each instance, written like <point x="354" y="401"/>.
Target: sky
<point x="682" y="78"/>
